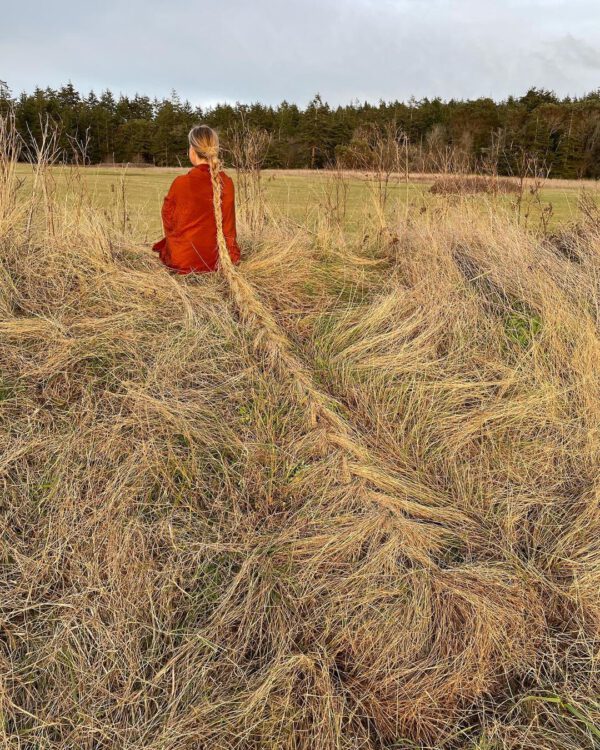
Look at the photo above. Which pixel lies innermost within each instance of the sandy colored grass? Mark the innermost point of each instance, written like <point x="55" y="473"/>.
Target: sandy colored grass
<point x="188" y="562"/>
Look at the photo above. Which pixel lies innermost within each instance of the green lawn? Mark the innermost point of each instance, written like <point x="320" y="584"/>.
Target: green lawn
<point x="299" y="196"/>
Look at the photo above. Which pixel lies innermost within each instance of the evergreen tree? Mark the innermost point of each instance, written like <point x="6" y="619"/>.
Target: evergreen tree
<point x="563" y="134"/>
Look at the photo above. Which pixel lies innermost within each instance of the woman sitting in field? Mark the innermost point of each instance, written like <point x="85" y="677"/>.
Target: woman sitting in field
<point x="188" y="212"/>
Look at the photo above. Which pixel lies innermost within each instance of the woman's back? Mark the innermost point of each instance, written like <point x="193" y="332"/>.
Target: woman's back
<point x="190" y="242"/>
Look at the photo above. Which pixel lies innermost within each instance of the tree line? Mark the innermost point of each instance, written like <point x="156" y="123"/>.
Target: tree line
<point x="558" y="135"/>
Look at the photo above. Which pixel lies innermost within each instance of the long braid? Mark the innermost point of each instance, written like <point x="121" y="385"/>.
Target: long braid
<point x="389" y="491"/>
<point x="214" y="164"/>
<point x="255" y="313"/>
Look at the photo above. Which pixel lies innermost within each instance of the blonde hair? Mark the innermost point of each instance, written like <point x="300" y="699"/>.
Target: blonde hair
<point x="205" y="142"/>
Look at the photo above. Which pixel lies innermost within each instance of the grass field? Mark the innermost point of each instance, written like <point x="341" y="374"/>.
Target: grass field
<point x="344" y="497"/>
<point x="300" y="195"/>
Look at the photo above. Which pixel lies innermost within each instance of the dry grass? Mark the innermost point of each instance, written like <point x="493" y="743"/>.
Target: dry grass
<point x="195" y="556"/>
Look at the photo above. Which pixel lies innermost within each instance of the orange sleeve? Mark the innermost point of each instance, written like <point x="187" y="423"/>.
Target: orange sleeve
<point x="168" y="209"/>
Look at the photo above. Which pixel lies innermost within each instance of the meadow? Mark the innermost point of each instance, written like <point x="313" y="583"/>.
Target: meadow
<point x="344" y="497"/>
<point x="300" y="195"/>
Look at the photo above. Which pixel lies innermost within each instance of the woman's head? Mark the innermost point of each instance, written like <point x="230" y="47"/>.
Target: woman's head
<point x="204" y="144"/>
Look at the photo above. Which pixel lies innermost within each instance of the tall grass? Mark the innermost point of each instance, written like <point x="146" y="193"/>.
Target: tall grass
<point x="353" y="505"/>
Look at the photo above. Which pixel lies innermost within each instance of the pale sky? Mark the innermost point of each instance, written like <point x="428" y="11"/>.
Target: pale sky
<point x="270" y="50"/>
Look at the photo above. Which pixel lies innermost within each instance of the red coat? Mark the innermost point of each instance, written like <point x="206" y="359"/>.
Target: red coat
<point x="190" y="241"/>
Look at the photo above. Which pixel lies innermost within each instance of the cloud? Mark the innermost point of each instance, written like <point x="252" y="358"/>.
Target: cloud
<point x="269" y="50"/>
<point x="577" y="53"/>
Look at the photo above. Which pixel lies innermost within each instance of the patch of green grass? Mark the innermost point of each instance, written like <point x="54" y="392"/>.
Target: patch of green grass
<point x="295" y="471"/>
<point x="7" y="390"/>
<point x="521" y="327"/>
<point x="569" y="708"/>
<point x="245" y="414"/>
